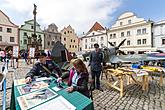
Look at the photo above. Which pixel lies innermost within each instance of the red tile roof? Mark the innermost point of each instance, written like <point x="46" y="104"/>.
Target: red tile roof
<point x="96" y="27"/>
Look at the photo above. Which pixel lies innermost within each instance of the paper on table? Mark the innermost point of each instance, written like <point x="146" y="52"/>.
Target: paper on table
<point x="56" y="88"/>
<point x="23" y="89"/>
<point x="30" y="100"/>
<point x="43" y="78"/>
<point x="59" y="103"/>
<point x="19" y="82"/>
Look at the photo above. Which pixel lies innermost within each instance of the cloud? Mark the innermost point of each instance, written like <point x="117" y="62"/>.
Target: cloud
<point x="80" y="14"/>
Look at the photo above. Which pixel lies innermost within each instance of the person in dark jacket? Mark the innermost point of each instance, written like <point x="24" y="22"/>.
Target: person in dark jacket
<point x="96" y="58"/>
<point x="78" y="78"/>
<point x="43" y="68"/>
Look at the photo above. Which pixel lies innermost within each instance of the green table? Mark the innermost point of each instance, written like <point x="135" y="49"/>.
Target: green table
<point x="80" y="101"/>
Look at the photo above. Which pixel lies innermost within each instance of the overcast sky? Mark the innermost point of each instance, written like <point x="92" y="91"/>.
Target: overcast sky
<point x="80" y="14"/>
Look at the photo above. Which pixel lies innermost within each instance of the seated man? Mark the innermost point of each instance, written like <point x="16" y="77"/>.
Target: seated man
<point x="43" y="68"/>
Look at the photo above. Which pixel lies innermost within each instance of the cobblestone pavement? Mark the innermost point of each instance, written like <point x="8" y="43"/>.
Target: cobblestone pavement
<point x="109" y="99"/>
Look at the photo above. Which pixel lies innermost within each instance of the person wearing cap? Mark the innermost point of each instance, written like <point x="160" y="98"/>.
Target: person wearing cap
<point x="43" y="68"/>
<point x="96" y="58"/>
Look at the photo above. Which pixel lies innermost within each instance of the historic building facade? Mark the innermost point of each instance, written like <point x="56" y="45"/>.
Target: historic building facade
<point x="51" y="36"/>
<point x="69" y="39"/>
<point x="8" y="32"/>
<point x="26" y="32"/>
<point x="97" y="34"/>
<point x="136" y="31"/>
<point x="159" y="35"/>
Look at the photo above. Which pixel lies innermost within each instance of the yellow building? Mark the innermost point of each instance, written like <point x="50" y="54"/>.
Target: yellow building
<point x="69" y="39"/>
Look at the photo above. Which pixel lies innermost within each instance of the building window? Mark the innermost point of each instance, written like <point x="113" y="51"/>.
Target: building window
<point x="11" y="39"/>
<point x="24" y="41"/>
<point x="74" y="40"/>
<point x="122" y="34"/>
<point x="121" y="23"/>
<point x="114" y="35"/>
<point x="91" y="46"/>
<point x="39" y="36"/>
<point x="128" y="42"/>
<point x="25" y="34"/>
<point x="32" y="27"/>
<point x="86" y="40"/>
<point x="92" y="39"/>
<point x="128" y="33"/>
<point x="52" y="42"/>
<point x="64" y="39"/>
<point x="144" y="41"/>
<point x="48" y="43"/>
<point x="144" y="31"/>
<point x="0" y="29"/>
<point x="138" y="31"/>
<point x="85" y="46"/>
<point x="68" y="31"/>
<point x="64" y="32"/>
<point x="163" y="41"/>
<point x="110" y="36"/>
<point x="102" y="45"/>
<point x="75" y="46"/>
<point x="0" y="38"/>
<point x="70" y="46"/>
<point x="102" y="38"/>
<point x="114" y="43"/>
<point x="139" y="41"/>
<point x="129" y="21"/>
<point x="9" y="30"/>
<point x="71" y="40"/>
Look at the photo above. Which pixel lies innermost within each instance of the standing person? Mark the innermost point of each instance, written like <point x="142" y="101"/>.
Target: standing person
<point x="96" y="58"/>
<point x="43" y="68"/>
<point x="78" y="78"/>
<point x="25" y="55"/>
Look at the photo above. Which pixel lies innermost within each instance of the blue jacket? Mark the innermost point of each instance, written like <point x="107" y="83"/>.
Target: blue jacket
<point x="39" y="71"/>
<point x="96" y="58"/>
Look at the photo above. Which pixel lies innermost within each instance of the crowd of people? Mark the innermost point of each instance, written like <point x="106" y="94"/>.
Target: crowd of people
<point x="78" y="75"/>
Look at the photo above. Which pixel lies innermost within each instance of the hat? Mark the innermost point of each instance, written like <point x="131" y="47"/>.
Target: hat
<point x="96" y="45"/>
<point x="43" y="54"/>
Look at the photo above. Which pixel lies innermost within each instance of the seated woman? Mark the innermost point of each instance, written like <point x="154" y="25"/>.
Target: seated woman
<point x="78" y="78"/>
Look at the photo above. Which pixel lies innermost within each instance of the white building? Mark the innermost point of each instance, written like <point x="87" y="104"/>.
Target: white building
<point x="136" y="31"/>
<point x="159" y="35"/>
<point x="97" y="34"/>
<point x="8" y="32"/>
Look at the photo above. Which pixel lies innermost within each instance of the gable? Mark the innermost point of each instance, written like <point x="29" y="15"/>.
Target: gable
<point x="93" y="33"/>
<point x="5" y="20"/>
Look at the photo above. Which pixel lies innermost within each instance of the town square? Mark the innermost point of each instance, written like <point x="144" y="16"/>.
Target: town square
<point x="82" y="55"/>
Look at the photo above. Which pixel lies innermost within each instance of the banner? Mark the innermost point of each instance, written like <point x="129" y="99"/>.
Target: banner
<point x="32" y="52"/>
<point x="15" y="51"/>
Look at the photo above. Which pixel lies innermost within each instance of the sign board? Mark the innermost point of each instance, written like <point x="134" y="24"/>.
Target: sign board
<point x="15" y="51"/>
<point x="32" y="52"/>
